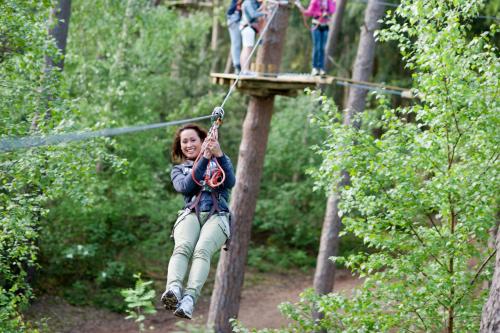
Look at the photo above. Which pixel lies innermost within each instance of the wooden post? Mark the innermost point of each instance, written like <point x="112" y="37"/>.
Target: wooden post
<point x="225" y="302"/>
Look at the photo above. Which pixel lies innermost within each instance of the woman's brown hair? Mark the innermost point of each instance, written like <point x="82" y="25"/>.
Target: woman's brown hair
<point x="177" y="155"/>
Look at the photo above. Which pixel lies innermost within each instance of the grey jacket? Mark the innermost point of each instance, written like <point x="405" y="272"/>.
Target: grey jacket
<point x="250" y="12"/>
<point x="184" y="183"/>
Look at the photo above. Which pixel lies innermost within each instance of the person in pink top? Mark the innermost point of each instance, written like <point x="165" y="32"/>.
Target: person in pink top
<point x="321" y="11"/>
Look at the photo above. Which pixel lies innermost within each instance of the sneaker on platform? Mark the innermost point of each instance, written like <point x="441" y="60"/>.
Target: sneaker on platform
<point x="322" y="72"/>
<point x="315" y="71"/>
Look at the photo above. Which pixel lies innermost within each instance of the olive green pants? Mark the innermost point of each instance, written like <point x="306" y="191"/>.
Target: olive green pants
<point x="199" y="240"/>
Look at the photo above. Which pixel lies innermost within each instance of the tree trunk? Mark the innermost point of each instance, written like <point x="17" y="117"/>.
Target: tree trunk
<point x="119" y="60"/>
<point x="490" y="321"/>
<point x="329" y="245"/>
<point x="363" y="66"/>
<point x="226" y="295"/>
<point x="333" y="34"/>
<point x="216" y="28"/>
<point x="58" y="29"/>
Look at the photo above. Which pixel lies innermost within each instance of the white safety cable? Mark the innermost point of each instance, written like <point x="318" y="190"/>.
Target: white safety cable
<point x="231" y="89"/>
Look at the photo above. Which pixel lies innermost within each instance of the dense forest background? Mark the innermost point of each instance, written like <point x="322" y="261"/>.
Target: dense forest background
<point x="79" y="220"/>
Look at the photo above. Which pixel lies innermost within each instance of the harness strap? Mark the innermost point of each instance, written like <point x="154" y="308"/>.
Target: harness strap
<point x="195" y="205"/>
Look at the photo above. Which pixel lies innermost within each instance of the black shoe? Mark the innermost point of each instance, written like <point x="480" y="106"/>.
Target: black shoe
<point x="171" y="298"/>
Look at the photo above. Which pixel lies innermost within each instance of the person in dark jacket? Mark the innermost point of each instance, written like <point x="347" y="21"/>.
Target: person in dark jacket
<point x="198" y="233"/>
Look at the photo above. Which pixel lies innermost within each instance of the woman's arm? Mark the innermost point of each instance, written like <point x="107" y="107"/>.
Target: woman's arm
<point x="224" y="162"/>
<point x="332" y="6"/>
<point x="250" y="11"/>
<point x="183" y="181"/>
<point x="313" y="9"/>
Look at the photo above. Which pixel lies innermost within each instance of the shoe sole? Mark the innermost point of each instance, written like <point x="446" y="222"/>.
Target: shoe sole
<point x="169" y="300"/>
<point x="181" y="314"/>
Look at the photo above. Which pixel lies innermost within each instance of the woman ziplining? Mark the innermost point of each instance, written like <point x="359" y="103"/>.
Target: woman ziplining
<point x="321" y="11"/>
<point x="205" y="177"/>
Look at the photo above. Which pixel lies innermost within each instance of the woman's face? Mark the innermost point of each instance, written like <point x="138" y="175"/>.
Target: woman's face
<point x="190" y="144"/>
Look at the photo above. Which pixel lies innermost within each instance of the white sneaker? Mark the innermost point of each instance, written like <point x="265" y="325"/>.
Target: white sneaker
<point x="185" y="308"/>
<point x="322" y="72"/>
<point x="314" y="71"/>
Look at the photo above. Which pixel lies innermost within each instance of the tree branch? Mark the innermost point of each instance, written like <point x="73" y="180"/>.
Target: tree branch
<point x="424" y="245"/>
<point x="434" y="224"/>
<point x="482" y="267"/>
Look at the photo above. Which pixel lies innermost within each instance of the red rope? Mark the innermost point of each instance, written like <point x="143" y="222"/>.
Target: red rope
<point x="213" y="178"/>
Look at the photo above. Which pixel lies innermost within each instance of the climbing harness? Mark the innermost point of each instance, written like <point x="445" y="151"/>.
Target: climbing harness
<point x="315" y="21"/>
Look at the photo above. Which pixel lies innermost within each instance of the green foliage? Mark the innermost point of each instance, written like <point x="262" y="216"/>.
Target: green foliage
<point x="33" y="101"/>
<point x="423" y="194"/>
<point x="139" y="65"/>
<point x="139" y="301"/>
<point x="289" y="214"/>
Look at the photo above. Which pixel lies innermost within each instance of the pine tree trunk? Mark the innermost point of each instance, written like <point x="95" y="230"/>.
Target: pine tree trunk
<point x="365" y="56"/>
<point x="333" y="34"/>
<point x="329" y="245"/>
<point x="58" y="29"/>
<point x="363" y="67"/>
<point x="214" y="42"/>
<point x="490" y="321"/>
<point x="226" y="295"/>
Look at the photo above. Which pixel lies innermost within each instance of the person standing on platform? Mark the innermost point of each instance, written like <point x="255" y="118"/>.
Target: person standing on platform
<point x="321" y="11"/>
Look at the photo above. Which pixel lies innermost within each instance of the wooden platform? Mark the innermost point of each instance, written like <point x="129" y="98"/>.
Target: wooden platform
<point x="266" y="85"/>
<point x="188" y="4"/>
<point x="259" y="84"/>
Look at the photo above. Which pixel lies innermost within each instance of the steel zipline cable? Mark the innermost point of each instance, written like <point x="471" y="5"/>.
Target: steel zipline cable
<point x="11" y="144"/>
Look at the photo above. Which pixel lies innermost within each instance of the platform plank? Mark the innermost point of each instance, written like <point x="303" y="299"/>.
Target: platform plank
<point x="269" y="84"/>
<point x="259" y="84"/>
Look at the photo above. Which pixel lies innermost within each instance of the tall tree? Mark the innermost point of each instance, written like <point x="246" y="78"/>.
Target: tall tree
<point x="490" y="320"/>
<point x="324" y="275"/>
<point x="216" y="32"/>
<point x="365" y="56"/>
<point x="422" y="195"/>
<point x="225" y="300"/>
